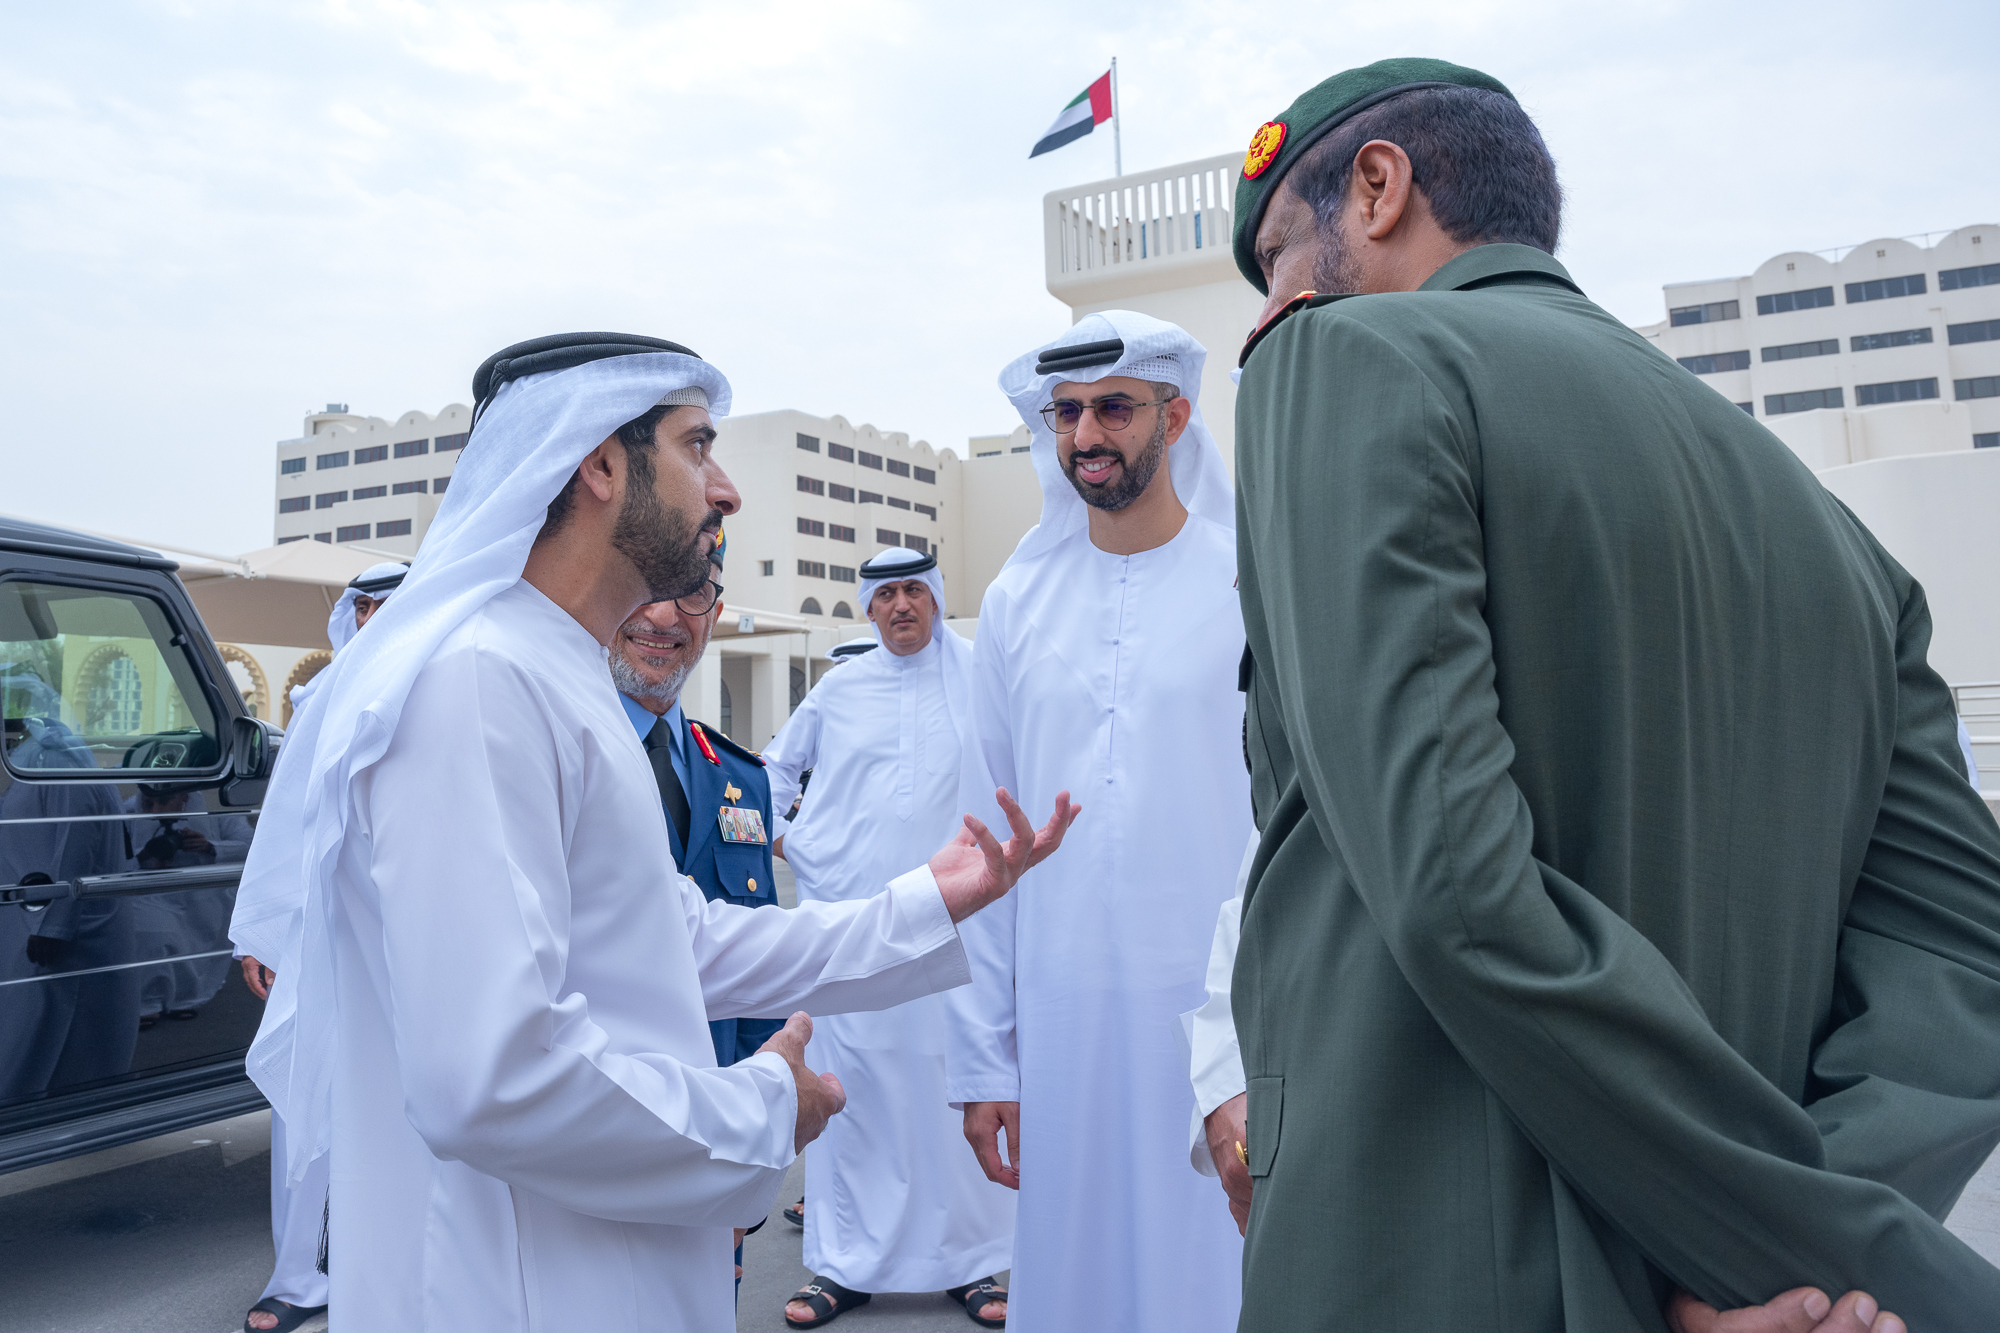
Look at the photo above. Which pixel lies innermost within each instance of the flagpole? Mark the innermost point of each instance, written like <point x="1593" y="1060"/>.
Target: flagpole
<point x="1117" y="148"/>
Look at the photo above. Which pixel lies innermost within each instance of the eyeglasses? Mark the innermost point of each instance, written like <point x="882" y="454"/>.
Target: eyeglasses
<point x="701" y="601"/>
<point x="1064" y="415"/>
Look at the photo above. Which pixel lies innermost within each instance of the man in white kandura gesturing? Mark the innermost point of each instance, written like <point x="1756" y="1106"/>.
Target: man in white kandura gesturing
<point x="493" y="987"/>
<point x="895" y="1201"/>
<point x="1106" y="663"/>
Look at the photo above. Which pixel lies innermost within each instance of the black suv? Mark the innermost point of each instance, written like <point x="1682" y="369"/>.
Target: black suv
<point x="131" y="777"/>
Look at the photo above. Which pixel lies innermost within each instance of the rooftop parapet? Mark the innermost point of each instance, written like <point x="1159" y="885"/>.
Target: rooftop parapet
<point x="1146" y="232"/>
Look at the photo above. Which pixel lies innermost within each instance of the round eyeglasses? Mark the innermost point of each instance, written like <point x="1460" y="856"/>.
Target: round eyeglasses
<point x="1064" y="415"/>
<point x="701" y="601"/>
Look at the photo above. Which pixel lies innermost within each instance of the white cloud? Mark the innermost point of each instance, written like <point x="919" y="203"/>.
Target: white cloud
<point x="216" y="216"/>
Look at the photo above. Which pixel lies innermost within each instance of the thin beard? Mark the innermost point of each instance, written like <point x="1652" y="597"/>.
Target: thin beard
<point x="629" y="682"/>
<point x="1334" y="271"/>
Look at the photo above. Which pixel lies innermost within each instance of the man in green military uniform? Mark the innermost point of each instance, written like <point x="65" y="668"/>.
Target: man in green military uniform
<point x="1623" y="924"/>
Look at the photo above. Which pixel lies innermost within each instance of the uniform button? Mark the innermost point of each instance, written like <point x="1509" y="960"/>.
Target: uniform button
<point x="753" y="886"/>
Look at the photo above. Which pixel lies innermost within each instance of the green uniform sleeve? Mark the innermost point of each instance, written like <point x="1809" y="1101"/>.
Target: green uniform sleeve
<point x="1363" y="564"/>
<point x="1908" y="1074"/>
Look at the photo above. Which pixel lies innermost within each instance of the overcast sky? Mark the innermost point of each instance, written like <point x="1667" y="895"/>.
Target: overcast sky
<point x="215" y="217"/>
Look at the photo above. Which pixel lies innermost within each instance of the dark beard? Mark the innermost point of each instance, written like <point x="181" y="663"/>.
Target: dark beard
<point x="664" y="546"/>
<point x="1334" y="270"/>
<point x="1132" y="479"/>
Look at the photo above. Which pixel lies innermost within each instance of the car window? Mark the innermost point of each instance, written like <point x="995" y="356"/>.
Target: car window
<point x="98" y="679"/>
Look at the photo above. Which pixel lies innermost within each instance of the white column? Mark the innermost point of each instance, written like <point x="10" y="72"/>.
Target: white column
<point x="701" y="696"/>
<point x="770" y="688"/>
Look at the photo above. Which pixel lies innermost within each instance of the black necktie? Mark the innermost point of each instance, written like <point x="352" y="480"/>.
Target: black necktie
<point x="660" y="749"/>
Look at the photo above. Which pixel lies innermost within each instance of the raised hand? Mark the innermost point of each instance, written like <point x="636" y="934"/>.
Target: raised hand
<point x="821" y="1097"/>
<point x="974" y="869"/>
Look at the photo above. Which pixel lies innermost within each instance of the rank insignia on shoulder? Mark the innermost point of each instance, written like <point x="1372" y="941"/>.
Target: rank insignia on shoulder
<point x="1264" y="146"/>
<point x="701" y="739"/>
<point x="740" y="825"/>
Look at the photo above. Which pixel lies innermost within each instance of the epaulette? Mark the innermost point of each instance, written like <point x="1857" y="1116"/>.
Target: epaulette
<point x="708" y="740"/>
<point x="1303" y="301"/>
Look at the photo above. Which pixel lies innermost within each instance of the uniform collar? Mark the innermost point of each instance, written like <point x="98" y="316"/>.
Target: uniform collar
<point x="1481" y="266"/>
<point x="1484" y="265"/>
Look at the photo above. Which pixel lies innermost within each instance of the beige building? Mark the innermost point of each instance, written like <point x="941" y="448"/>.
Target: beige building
<point x="362" y="480"/>
<point x="1889" y="350"/>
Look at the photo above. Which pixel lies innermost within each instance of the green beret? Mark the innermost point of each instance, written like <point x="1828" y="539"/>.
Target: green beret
<point x="1280" y="143"/>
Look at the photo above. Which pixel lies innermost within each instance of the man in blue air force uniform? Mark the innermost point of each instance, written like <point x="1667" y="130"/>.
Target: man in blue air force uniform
<point x="716" y="794"/>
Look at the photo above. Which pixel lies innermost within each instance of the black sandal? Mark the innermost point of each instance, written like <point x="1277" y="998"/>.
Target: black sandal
<point x="796" y="1214"/>
<point x="975" y="1295"/>
<point x="289" y="1316"/>
<point x="827" y="1299"/>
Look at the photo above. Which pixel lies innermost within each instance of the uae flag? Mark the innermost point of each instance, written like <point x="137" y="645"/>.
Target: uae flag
<point x="1086" y="111"/>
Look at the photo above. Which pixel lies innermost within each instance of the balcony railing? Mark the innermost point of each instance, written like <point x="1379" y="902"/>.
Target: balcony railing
<point x="1131" y="225"/>
<point x="1979" y="708"/>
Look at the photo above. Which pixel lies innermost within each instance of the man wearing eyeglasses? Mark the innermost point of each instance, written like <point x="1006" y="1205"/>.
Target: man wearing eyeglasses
<point x="1106" y="665"/>
<point x="716" y="793"/>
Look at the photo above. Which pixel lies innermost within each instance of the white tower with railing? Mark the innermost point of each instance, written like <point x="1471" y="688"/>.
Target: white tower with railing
<point x="1159" y="242"/>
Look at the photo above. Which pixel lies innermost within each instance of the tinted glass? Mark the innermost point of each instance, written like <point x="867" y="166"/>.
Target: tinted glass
<point x="1985" y="330"/>
<point x="93" y="679"/>
<point x="1979" y="275"/>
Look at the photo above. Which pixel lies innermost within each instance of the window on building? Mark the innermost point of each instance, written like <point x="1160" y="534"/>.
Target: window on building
<point x="1810" y="298"/>
<point x="296" y="505"/>
<point x="411" y="448"/>
<point x="888" y="537"/>
<point x="840" y="573"/>
<point x="869" y="498"/>
<point x="767" y="567"/>
<point x="839" y="533"/>
<point x="812" y="485"/>
<point x="1989" y="439"/>
<point x="836" y="491"/>
<point x="813" y="569"/>
<point x="897" y="503"/>
<point x="1875" y="342"/>
<point x="395" y="528"/>
<point x="1709" y="313"/>
<point x="1793" y="351"/>
<point x="357" y="533"/>
<point x="1748" y="409"/>
<point x="1777" y="404"/>
<point x="301" y="537"/>
<point x="371" y="492"/>
<point x="812" y="527"/>
<point x="289" y="466"/>
<point x="1878" y="289"/>
<point x="897" y="469"/>
<point x="323" y="537"/>
<point x="1983" y="331"/>
<point x="374" y="455"/>
<point x="915" y="543"/>
<point x="809" y="443"/>
<point x="1987" y="386"/>
<point x="870" y="460"/>
<point x="990" y="453"/>
<point x="331" y="460"/>
<point x="328" y="499"/>
<point x="409" y="488"/>
<point x="925" y="475"/>
<point x="842" y="611"/>
<point x="839" y="451"/>
<point x="1716" y="363"/>
<point x="438" y="484"/>
<point x="810" y="607"/>
<point x="1021" y="449"/>
<point x="1981" y="275"/>
<point x="446" y="443"/>
<point x="928" y="511"/>
<point x="1895" y="391"/>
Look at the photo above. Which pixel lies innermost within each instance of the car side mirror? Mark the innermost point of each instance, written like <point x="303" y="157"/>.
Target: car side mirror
<point x="253" y="753"/>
